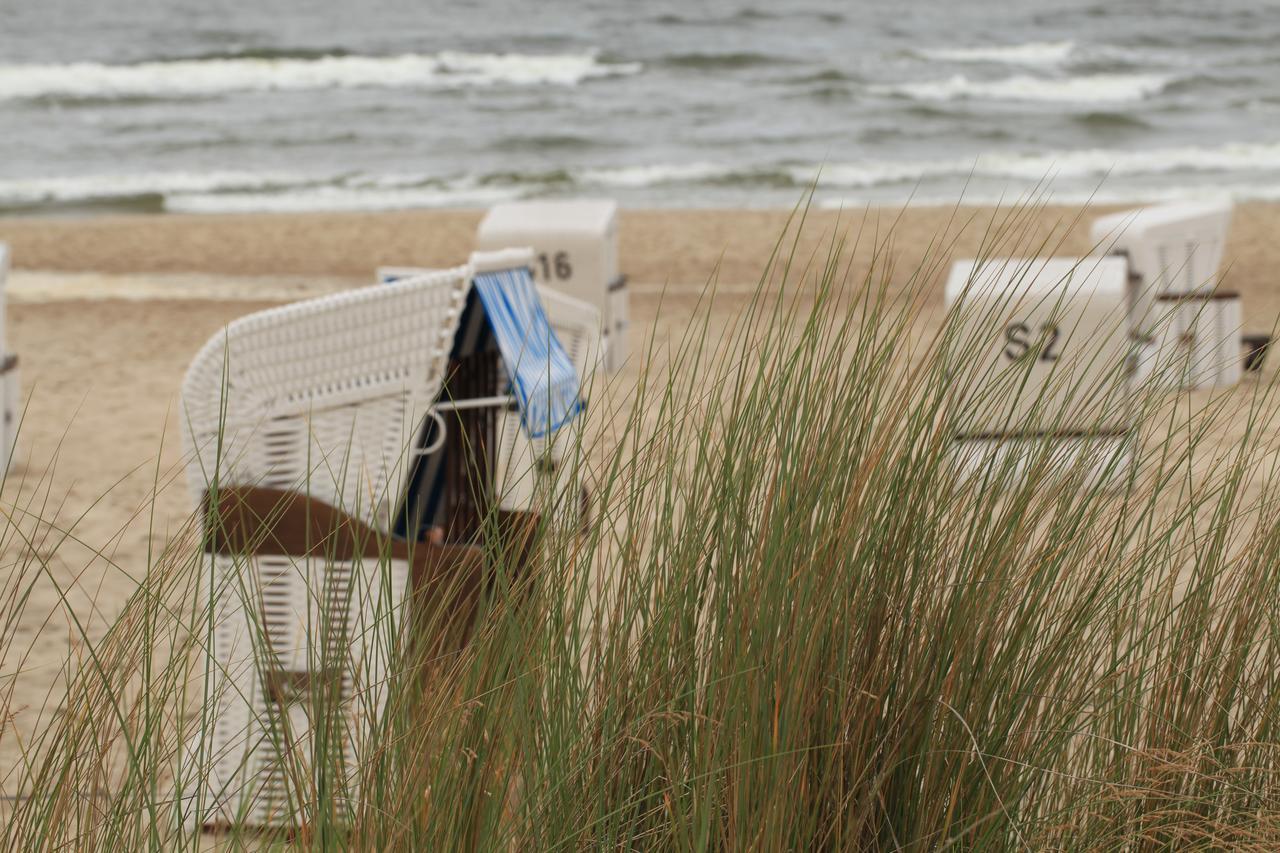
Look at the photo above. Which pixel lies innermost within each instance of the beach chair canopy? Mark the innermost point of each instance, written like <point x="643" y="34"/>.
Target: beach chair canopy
<point x="521" y="357"/>
<point x="543" y="379"/>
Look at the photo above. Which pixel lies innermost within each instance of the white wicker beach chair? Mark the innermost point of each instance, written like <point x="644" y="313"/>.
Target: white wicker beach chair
<point x="355" y="416"/>
<point x="1173" y="249"/>
<point x="321" y="398"/>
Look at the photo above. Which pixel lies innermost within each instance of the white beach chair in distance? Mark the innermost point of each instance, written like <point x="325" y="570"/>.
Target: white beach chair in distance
<point x="1039" y="362"/>
<point x="575" y="246"/>
<point x="11" y="396"/>
<point x="320" y="399"/>
<point x="1189" y="330"/>
<point x="522" y="461"/>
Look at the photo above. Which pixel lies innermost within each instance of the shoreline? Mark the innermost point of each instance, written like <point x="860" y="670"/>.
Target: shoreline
<point x="656" y="246"/>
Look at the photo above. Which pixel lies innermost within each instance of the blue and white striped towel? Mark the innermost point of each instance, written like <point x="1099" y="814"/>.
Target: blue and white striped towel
<point x="542" y="376"/>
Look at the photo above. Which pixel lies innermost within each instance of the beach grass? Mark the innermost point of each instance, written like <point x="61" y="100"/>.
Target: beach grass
<point x="789" y="623"/>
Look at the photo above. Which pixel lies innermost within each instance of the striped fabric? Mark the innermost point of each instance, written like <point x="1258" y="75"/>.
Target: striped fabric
<point x="542" y="375"/>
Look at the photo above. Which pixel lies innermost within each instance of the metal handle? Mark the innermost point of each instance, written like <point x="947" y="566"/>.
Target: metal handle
<point x="503" y="400"/>
<point x="440" y="435"/>
<point x="475" y="403"/>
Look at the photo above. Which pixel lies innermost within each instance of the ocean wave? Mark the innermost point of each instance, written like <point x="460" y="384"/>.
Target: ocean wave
<point x="1052" y="195"/>
<point x="1030" y="53"/>
<point x="748" y="15"/>
<point x="243" y="52"/>
<point x="244" y="192"/>
<point x="237" y="192"/>
<point x="1103" y="121"/>
<point x="719" y="61"/>
<point x="337" y="198"/>
<point x="1080" y="171"/>
<point x="1083" y="163"/>
<point x="678" y="174"/>
<point x="548" y="142"/>
<point x="1088" y="89"/>
<point x="178" y="78"/>
<point x="635" y="177"/>
<point x="98" y="188"/>
<point x="827" y="75"/>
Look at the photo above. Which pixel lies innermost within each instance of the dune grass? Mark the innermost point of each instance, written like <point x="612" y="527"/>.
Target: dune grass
<point x="789" y="624"/>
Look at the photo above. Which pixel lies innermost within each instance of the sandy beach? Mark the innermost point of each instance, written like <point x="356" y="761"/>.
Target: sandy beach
<point x="106" y="313"/>
<point x="683" y="247"/>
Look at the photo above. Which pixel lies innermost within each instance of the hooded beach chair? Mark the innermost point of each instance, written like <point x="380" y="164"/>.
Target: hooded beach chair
<point x="1186" y="327"/>
<point x="1038" y="361"/>
<point x="298" y="423"/>
<point x="320" y="437"/>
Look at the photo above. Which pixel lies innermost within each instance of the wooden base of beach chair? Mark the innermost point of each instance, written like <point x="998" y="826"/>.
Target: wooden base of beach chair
<point x="448" y="580"/>
<point x="1096" y="458"/>
<point x="324" y="582"/>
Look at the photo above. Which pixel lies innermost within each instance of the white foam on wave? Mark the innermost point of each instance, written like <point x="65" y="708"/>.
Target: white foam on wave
<point x="20" y="191"/>
<point x="1037" y="53"/>
<point x="1060" y="196"/>
<point x="1087" y="89"/>
<point x="635" y="177"/>
<point x="1246" y="167"/>
<point x="236" y="192"/>
<point x="242" y="192"/>
<point x="221" y="76"/>
<point x="339" y="199"/>
<point x="1081" y="163"/>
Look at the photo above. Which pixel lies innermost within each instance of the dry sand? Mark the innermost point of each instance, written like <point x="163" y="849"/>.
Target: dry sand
<point x="107" y="312"/>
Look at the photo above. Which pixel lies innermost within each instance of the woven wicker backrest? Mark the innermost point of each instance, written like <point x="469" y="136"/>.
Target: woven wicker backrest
<point x="323" y="396"/>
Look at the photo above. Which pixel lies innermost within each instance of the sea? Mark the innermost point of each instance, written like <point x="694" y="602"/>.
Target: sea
<point x="230" y="106"/>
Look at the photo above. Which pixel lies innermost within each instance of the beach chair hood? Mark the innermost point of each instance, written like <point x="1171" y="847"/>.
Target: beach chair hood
<point x="543" y="378"/>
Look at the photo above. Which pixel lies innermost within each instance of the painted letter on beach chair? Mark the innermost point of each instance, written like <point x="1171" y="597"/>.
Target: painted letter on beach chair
<point x="575" y="245"/>
<point x="1038" y="361"/>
